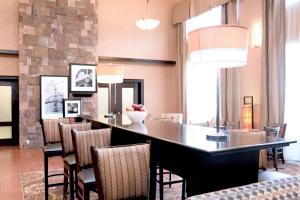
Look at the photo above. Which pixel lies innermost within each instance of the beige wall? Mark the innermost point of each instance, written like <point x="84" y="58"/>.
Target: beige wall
<point x="119" y="37"/>
<point x="160" y="94"/>
<point x="9" y="36"/>
<point x="250" y="75"/>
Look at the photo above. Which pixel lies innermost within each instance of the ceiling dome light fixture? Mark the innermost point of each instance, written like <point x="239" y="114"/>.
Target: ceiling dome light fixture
<point x="146" y="23"/>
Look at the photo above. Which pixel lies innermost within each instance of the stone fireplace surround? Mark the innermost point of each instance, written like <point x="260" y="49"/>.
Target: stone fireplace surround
<point x="52" y="34"/>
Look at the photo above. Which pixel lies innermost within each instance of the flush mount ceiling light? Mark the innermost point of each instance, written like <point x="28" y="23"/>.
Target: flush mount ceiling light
<point x="146" y="23"/>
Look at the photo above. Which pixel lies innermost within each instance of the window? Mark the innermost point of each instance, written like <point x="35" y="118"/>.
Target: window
<point x="201" y="81"/>
<point x="292" y="96"/>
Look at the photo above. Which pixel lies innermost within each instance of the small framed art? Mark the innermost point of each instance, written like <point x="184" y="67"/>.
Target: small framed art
<point x="53" y="90"/>
<point x="83" y="78"/>
<point x="248" y="100"/>
<point x="72" y="107"/>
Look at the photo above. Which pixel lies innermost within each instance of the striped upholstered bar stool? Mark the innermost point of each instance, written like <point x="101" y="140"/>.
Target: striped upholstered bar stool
<point x="52" y="146"/>
<point x="122" y="172"/>
<point x="68" y="152"/>
<point x="82" y="142"/>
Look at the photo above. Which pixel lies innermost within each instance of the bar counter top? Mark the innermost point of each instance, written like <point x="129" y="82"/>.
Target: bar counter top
<point x="194" y="136"/>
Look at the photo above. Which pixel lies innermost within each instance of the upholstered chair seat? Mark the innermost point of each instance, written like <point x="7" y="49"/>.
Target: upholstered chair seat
<point x="70" y="159"/>
<point x="122" y="172"/>
<point x="53" y="148"/>
<point x="87" y="176"/>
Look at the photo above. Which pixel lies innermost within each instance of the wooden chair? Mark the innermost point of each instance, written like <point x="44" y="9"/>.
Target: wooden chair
<point x="52" y="147"/>
<point x="122" y="172"/>
<point x="276" y="153"/>
<point x="69" y="157"/>
<point x="174" y="118"/>
<point x="82" y="141"/>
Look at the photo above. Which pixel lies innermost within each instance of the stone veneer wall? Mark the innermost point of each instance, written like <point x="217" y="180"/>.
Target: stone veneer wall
<point x="52" y="34"/>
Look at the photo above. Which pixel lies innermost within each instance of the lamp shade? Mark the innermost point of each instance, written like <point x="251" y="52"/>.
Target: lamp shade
<point x="223" y="46"/>
<point x="109" y="73"/>
<point x="247" y="116"/>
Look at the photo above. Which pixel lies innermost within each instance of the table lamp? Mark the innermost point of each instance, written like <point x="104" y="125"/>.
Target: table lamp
<point x="110" y="74"/>
<point x="221" y="46"/>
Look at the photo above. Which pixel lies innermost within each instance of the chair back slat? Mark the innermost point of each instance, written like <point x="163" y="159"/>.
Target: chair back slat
<point x="66" y="136"/>
<point x="174" y="117"/>
<point x="50" y="129"/>
<point x="82" y="142"/>
<point x="272" y="131"/>
<point x="122" y="172"/>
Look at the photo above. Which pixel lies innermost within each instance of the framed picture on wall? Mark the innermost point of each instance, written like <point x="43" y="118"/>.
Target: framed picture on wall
<point x="248" y="100"/>
<point x="83" y="78"/>
<point x="72" y="107"/>
<point x="53" y="90"/>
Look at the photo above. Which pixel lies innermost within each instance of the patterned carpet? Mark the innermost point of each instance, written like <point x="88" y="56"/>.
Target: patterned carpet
<point x="33" y="186"/>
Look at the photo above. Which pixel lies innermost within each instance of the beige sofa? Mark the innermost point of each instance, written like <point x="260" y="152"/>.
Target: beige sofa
<point x="286" y="189"/>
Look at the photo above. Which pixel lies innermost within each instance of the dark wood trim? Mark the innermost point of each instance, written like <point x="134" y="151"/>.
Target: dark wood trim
<point x="9" y="78"/>
<point x="136" y="60"/>
<point x="5" y="123"/>
<point x="6" y="52"/>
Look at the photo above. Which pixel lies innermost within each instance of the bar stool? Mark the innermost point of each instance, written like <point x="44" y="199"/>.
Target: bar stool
<point x="82" y="141"/>
<point x="52" y="147"/>
<point x="176" y="118"/>
<point x="69" y="157"/>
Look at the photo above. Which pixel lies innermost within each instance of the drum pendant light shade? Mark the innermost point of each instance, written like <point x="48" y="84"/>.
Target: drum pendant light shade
<point x="223" y="46"/>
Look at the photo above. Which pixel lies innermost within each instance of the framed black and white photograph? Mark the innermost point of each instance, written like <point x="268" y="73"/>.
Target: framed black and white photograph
<point x="83" y="78"/>
<point x="72" y="107"/>
<point x="53" y="90"/>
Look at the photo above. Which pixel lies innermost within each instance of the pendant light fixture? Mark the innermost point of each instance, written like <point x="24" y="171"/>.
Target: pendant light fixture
<point x="146" y="23"/>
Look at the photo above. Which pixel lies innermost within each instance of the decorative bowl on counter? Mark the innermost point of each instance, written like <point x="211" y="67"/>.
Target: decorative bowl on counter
<point x="136" y="113"/>
<point x="136" y="116"/>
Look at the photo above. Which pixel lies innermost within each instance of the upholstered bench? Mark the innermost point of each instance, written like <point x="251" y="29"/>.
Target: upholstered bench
<point x="286" y="188"/>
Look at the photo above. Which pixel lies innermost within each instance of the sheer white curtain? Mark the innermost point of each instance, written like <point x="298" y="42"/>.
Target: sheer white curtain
<point x="201" y="81"/>
<point x="292" y="99"/>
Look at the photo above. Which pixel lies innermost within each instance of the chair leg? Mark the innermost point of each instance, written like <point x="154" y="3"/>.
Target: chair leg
<point x="76" y="183"/>
<point x="161" y="183"/>
<point x="71" y="183"/>
<point x="46" y="176"/>
<point x="274" y="158"/>
<point x="80" y="191"/>
<point x="170" y="179"/>
<point x="183" y="193"/>
<point x="86" y="192"/>
<point x="66" y="175"/>
<point x="282" y="158"/>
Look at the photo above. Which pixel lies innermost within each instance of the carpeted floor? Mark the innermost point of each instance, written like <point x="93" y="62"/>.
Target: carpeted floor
<point x="33" y="186"/>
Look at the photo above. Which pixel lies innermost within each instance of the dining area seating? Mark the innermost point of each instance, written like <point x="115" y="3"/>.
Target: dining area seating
<point x="73" y="142"/>
<point x="276" y="130"/>
<point x="52" y="147"/>
<point x="115" y="162"/>
<point x="176" y="118"/>
<point x="82" y="141"/>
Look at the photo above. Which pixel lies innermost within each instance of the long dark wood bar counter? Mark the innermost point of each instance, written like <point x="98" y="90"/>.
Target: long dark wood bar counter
<point x="206" y="165"/>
